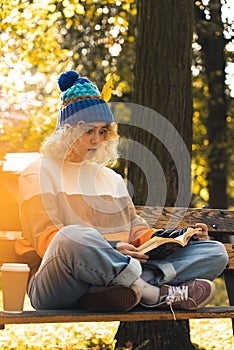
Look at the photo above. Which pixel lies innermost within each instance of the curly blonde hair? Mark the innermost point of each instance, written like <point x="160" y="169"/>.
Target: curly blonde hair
<point x="60" y="143"/>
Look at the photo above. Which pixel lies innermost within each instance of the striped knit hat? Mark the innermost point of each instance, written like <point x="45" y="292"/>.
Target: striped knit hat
<point x="81" y="101"/>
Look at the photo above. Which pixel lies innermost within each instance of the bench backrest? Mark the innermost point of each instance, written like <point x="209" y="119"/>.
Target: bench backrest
<point x="219" y="222"/>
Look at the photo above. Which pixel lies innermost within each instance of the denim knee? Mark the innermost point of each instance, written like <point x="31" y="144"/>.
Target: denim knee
<point x="220" y="255"/>
<point x="75" y="234"/>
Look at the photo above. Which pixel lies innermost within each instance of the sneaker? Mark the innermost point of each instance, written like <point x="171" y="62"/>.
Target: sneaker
<point x="114" y="298"/>
<point x="190" y="295"/>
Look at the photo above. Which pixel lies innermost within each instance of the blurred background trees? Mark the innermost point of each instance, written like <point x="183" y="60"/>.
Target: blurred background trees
<point x="213" y="36"/>
<point x="41" y="39"/>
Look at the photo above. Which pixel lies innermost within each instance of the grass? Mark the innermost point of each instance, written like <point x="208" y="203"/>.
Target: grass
<point x="214" y="334"/>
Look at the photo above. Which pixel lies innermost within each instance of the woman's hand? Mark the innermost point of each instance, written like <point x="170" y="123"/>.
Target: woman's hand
<point x="129" y="249"/>
<point x="202" y="233"/>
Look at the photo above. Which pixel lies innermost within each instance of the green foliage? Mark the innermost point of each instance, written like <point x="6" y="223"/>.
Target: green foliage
<point x="101" y="40"/>
<point x="212" y="133"/>
<point x="200" y="143"/>
<point x="29" y="48"/>
<point x="39" y="40"/>
<point x="221" y="297"/>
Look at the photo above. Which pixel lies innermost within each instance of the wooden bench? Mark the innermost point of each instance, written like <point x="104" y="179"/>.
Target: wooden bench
<point x="220" y="223"/>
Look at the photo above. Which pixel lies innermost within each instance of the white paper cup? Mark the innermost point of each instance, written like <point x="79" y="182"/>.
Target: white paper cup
<point x="14" y="284"/>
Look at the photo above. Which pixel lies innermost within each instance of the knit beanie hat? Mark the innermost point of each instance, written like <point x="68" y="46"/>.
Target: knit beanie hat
<point x="81" y="101"/>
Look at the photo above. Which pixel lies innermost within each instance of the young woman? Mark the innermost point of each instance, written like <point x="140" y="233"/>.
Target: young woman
<point x="79" y="222"/>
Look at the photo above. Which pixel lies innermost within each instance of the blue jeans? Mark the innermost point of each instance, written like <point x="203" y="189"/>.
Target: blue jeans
<point x="78" y="258"/>
<point x="199" y="259"/>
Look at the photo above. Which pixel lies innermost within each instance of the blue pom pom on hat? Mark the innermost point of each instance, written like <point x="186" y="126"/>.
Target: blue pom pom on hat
<point x="66" y="80"/>
<point x="81" y="101"/>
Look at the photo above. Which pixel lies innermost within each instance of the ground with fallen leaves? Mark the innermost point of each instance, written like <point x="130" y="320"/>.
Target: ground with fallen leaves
<point x="214" y="334"/>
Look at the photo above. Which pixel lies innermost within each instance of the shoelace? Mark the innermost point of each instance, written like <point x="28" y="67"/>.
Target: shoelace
<point x="175" y="294"/>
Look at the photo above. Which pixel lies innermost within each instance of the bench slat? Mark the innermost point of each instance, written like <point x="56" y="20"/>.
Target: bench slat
<point x="7" y="252"/>
<point x="230" y="251"/>
<point x="137" y="314"/>
<point x="9" y="216"/>
<point x="218" y="221"/>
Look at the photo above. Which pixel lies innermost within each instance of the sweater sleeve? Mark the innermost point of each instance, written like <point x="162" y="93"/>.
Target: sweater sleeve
<point x="138" y="225"/>
<point x="39" y="215"/>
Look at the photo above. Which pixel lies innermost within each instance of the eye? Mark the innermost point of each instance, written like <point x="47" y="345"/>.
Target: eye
<point x="103" y="131"/>
<point x="89" y="131"/>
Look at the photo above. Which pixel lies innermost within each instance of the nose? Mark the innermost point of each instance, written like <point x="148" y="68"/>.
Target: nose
<point x="95" y="139"/>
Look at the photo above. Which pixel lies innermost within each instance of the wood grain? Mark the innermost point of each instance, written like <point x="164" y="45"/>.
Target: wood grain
<point x="137" y="314"/>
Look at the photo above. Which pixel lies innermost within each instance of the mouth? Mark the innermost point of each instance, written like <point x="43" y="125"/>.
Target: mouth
<point x="91" y="152"/>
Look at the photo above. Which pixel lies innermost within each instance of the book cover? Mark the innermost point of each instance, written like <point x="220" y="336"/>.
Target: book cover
<point x="165" y="243"/>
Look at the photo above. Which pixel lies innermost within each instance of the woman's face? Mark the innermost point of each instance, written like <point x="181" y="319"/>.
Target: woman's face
<point x="87" y="144"/>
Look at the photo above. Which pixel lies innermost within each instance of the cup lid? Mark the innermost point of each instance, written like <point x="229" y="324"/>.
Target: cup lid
<point x="14" y="267"/>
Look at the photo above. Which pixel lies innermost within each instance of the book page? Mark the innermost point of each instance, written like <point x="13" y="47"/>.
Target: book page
<point x="153" y="243"/>
<point x="187" y="235"/>
<point x="157" y="241"/>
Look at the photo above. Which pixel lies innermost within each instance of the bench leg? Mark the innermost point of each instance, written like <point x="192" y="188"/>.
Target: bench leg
<point x="229" y="280"/>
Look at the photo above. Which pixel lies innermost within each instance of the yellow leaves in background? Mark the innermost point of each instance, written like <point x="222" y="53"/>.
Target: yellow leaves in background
<point x="108" y="88"/>
<point x="29" y="33"/>
<point x="215" y="334"/>
<point x="69" y="336"/>
<point x="70" y="8"/>
<point x="199" y="163"/>
<point x="199" y="181"/>
<point x="33" y="35"/>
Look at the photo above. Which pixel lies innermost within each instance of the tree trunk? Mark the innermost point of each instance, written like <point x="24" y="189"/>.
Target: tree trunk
<point x="163" y="83"/>
<point x="159" y="153"/>
<point x="152" y="335"/>
<point x="210" y="36"/>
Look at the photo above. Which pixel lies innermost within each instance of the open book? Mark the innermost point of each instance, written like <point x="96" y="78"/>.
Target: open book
<point x="164" y="243"/>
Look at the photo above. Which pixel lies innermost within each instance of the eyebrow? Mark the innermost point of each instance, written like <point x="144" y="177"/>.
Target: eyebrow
<point x="91" y="126"/>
